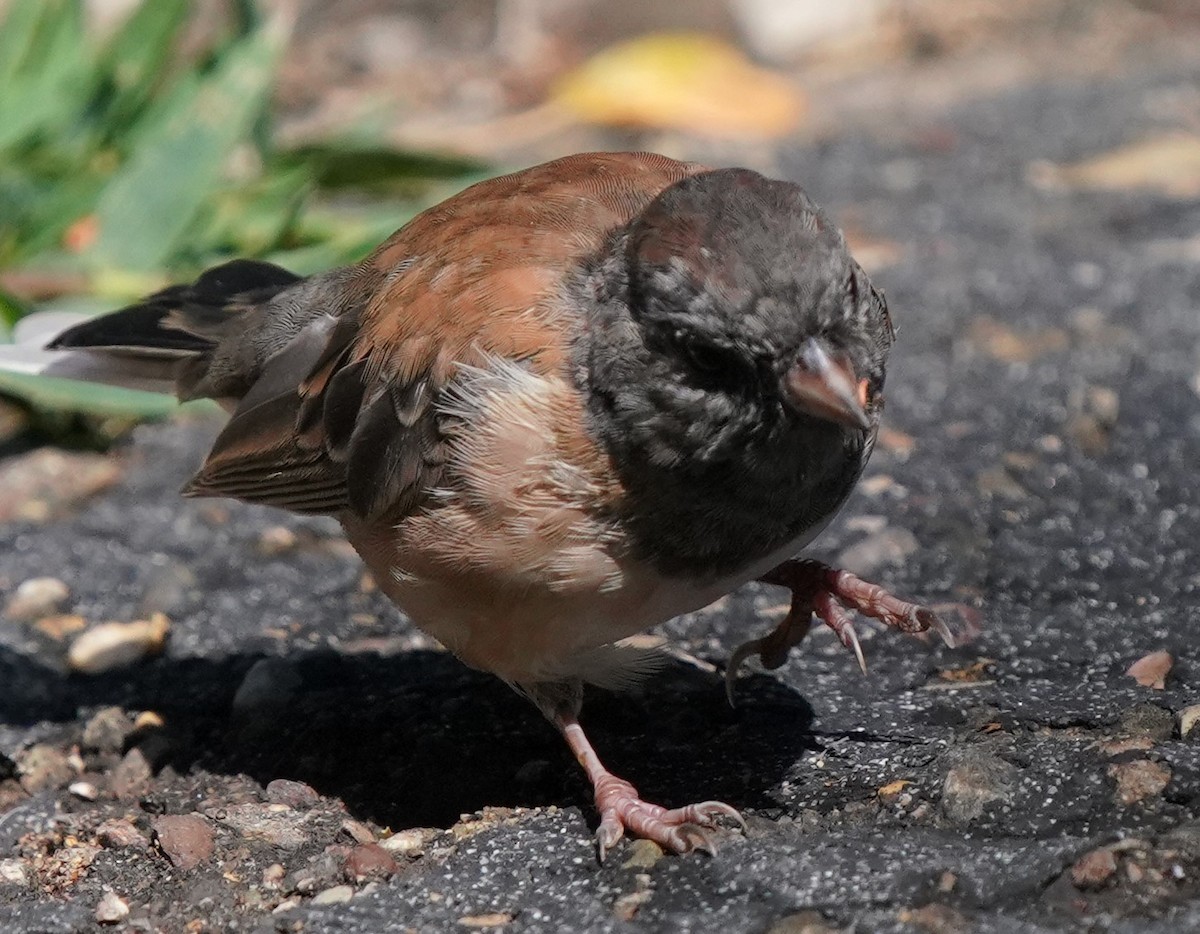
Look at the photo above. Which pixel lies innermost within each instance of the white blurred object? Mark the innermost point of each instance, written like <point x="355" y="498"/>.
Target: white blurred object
<point x="27" y="354"/>
<point x="39" y="328"/>
<point x="779" y="30"/>
<point x="30" y="335"/>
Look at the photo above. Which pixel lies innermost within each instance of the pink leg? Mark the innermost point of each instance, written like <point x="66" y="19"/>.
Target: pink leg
<point x="772" y="649"/>
<point x="828" y="593"/>
<point x="679" y="830"/>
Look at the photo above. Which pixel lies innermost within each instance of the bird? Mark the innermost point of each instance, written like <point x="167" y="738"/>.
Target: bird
<point x="559" y="408"/>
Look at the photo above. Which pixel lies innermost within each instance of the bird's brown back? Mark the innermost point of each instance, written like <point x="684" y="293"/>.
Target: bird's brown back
<point x="350" y="421"/>
<point x="479" y="271"/>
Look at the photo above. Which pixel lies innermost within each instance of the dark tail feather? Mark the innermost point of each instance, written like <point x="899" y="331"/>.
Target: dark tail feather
<point x="170" y="334"/>
<point x="138" y="329"/>
<point x="182" y="319"/>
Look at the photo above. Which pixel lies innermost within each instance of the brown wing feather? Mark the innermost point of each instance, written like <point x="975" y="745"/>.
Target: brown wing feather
<point x="349" y="422"/>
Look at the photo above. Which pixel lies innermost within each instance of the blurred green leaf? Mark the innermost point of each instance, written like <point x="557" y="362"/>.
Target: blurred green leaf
<point x="123" y="167"/>
<point x="146" y="210"/>
<point x="52" y="81"/>
<point x="11" y="311"/>
<point x="52" y="394"/>
<point x="132" y="63"/>
<point x="333" y="237"/>
<point x="350" y="164"/>
<point x="17" y="31"/>
<point x="254" y="218"/>
<point x="65" y="204"/>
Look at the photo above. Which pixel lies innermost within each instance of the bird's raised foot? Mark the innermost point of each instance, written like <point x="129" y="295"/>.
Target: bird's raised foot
<point x="828" y="593"/>
<point x="676" y="830"/>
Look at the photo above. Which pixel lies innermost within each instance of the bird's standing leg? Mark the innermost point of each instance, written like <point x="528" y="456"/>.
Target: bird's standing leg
<point x="676" y="830"/>
<point x="828" y="593"/>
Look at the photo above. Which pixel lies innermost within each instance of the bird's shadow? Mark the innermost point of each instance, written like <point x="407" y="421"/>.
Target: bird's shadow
<point x="417" y="739"/>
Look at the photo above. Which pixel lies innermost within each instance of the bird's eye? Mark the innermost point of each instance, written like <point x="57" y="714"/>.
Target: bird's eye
<point x="712" y="365"/>
<point x="707" y="359"/>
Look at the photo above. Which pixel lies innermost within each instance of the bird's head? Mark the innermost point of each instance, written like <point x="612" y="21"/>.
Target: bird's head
<point x="746" y="293"/>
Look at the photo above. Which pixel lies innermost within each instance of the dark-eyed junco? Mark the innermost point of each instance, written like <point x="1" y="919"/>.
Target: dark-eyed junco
<point x="555" y="410"/>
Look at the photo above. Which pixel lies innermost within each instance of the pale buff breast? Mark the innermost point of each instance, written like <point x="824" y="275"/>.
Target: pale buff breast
<point x="516" y="564"/>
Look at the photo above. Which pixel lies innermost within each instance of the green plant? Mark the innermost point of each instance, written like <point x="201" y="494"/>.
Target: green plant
<point x="122" y="167"/>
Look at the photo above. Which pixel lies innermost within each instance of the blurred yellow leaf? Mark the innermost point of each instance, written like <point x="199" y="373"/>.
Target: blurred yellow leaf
<point x="125" y="285"/>
<point x="1167" y="164"/>
<point x="681" y="81"/>
<point x="892" y="789"/>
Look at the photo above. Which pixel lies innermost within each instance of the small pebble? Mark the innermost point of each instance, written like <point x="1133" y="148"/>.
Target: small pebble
<point x="112" y="909"/>
<point x="48" y="483"/>
<point x="358" y="831"/>
<point x="132" y="775"/>
<point x="493" y="919"/>
<point x="976" y="780"/>
<point x="275" y="824"/>
<point x="276" y="540"/>
<point x="369" y="861"/>
<point x="286" y="905"/>
<point x="334" y="896"/>
<point x="936" y="919"/>
<point x="37" y="597"/>
<point x="84" y="790"/>
<point x="107" y="730"/>
<point x="1147" y="721"/>
<point x="1188" y="718"/>
<point x="1151" y="670"/>
<point x="186" y="839"/>
<point x="301" y="882"/>
<point x="12" y="871"/>
<point x="293" y="794"/>
<point x="1094" y="869"/>
<point x="272" y="876"/>
<point x="119" y="833"/>
<point x="148" y="720"/>
<point x="1139" y="779"/>
<point x="110" y="646"/>
<point x="411" y="842"/>
<point x="58" y="626"/>
<point x="627" y="906"/>
<point x="43" y="766"/>
<point x="643" y="854"/>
